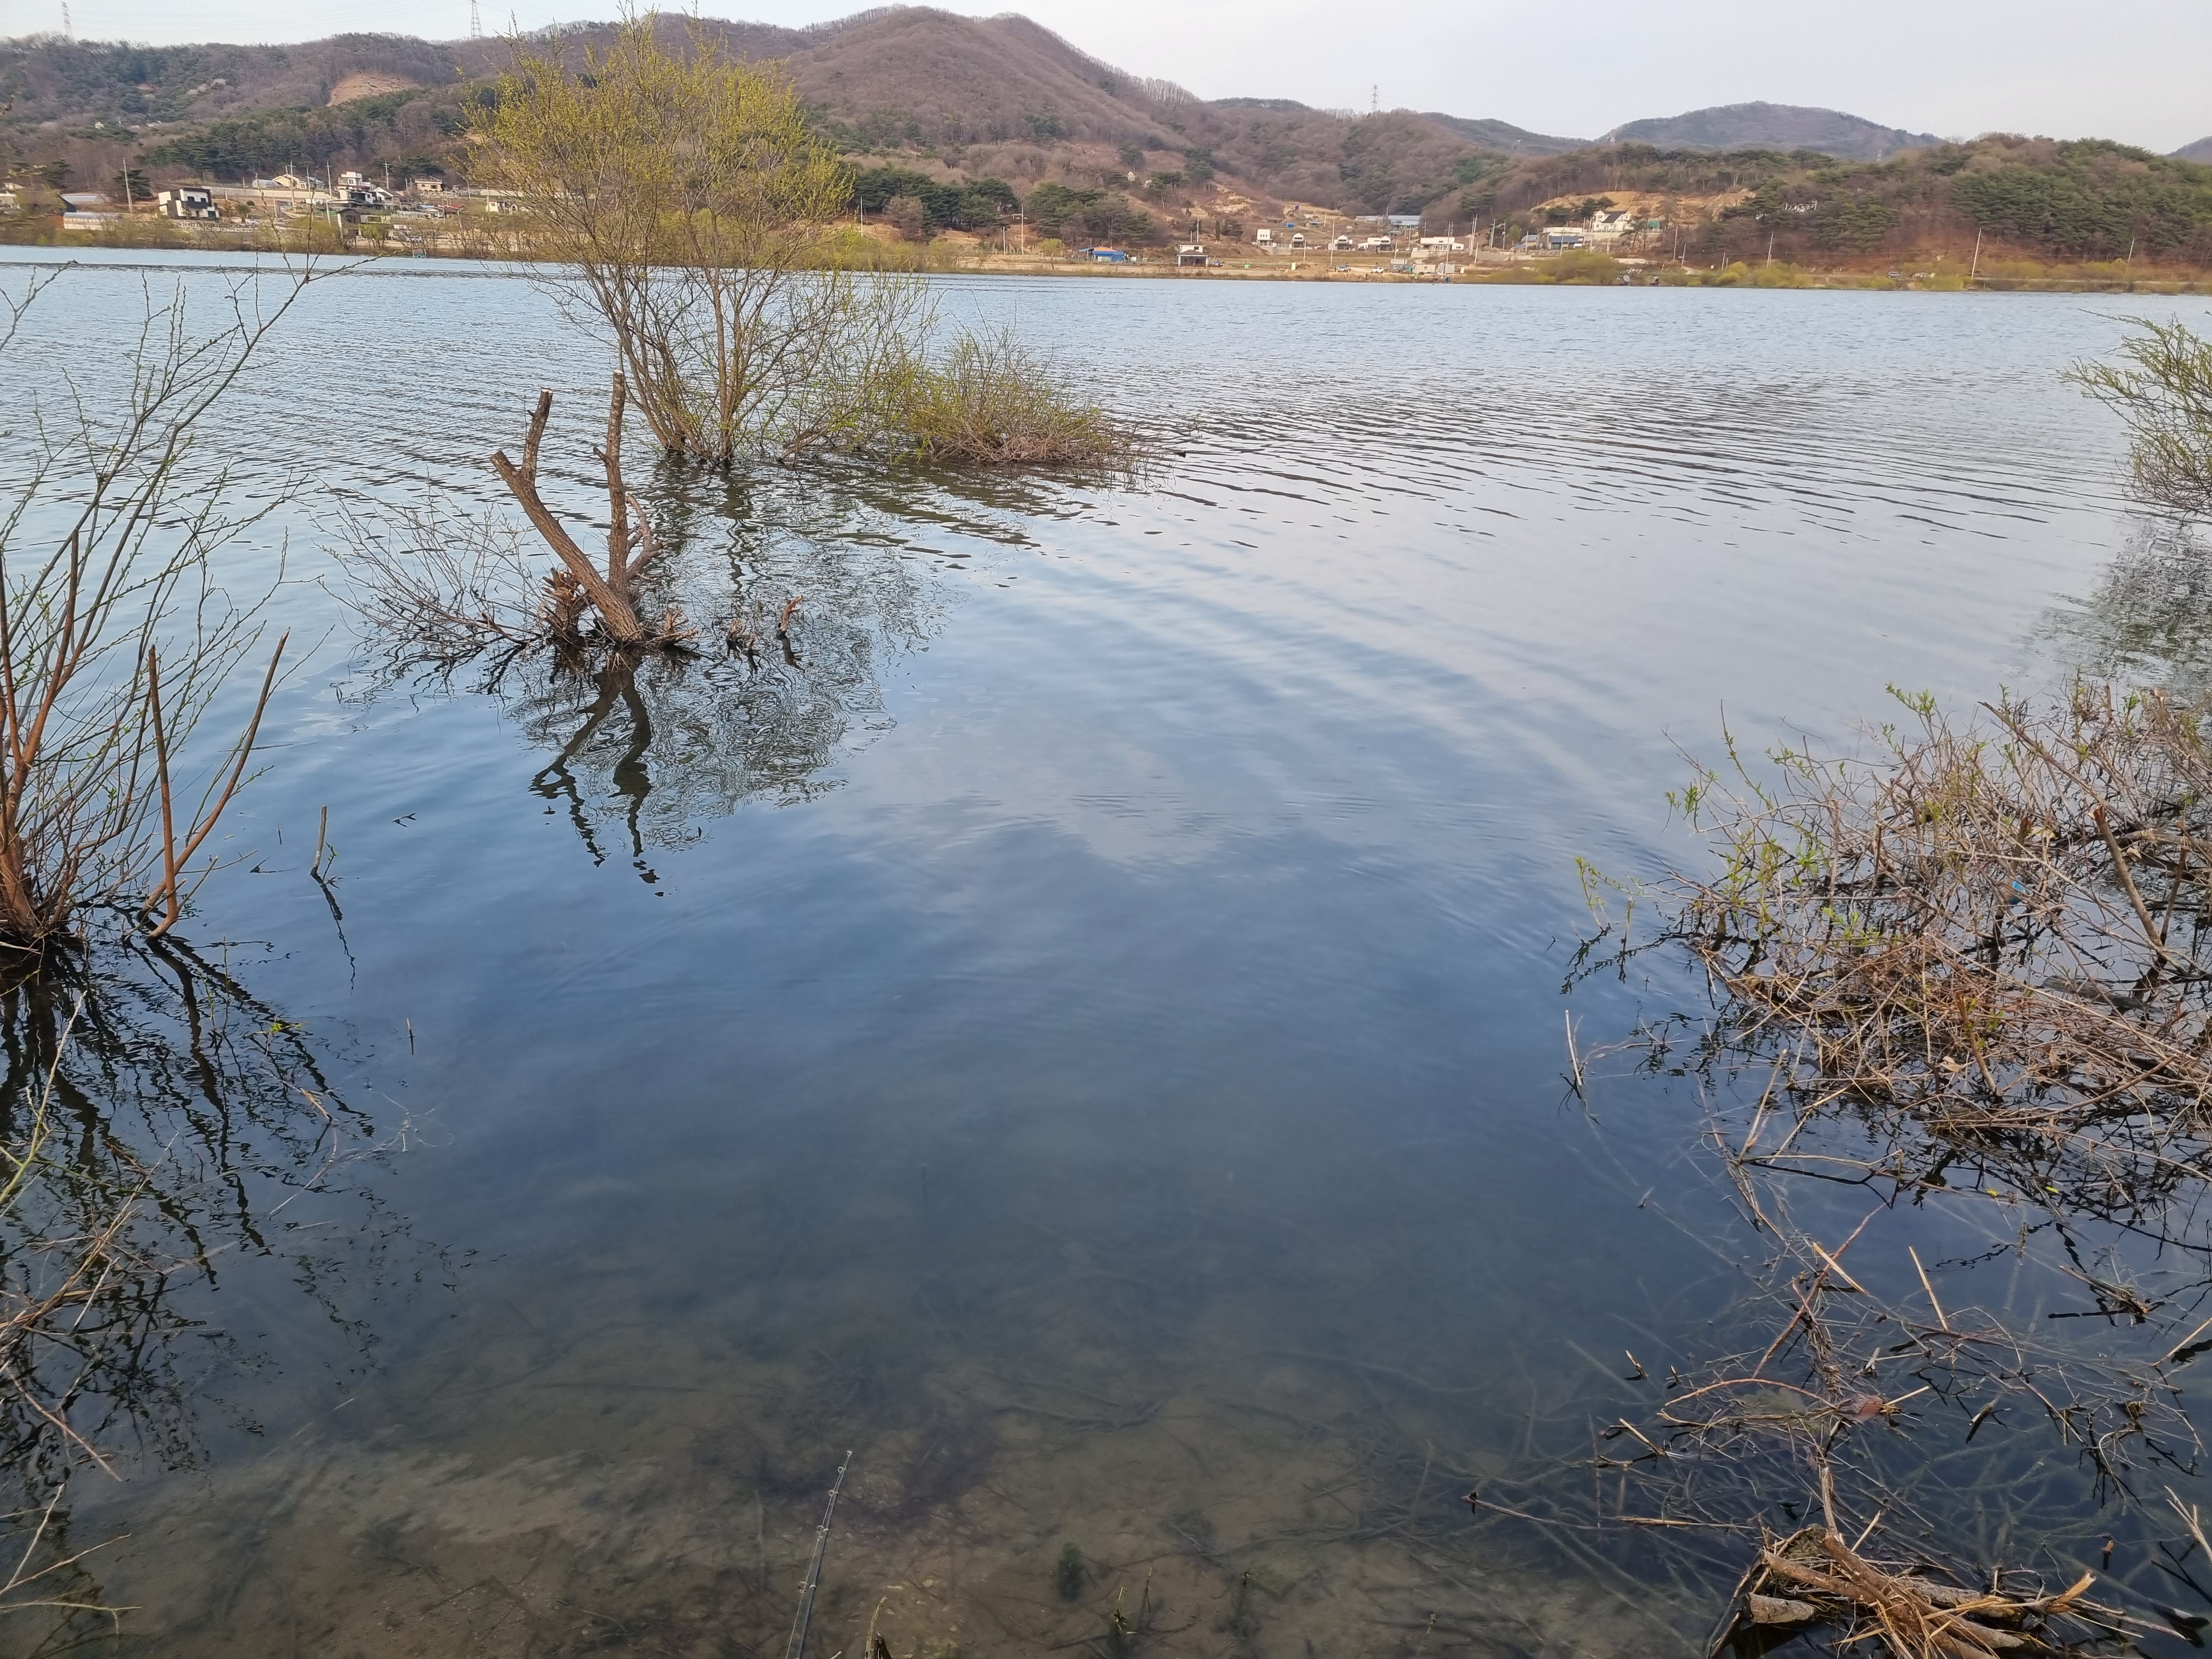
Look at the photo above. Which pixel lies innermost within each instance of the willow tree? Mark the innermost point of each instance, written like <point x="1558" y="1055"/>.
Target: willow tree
<point x="2162" y="388"/>
<point x="681" y="205"/>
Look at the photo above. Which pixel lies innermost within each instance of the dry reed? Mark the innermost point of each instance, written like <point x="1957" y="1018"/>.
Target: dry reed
<point x="1966" y="969"/>
<point x="1985" y="943"/>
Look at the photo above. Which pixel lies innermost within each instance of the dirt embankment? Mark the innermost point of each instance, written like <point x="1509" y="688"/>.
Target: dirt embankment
<point x="369" y="85"/>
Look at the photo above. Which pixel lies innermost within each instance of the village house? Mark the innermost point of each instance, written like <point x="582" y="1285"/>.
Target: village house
<point x="88" y="210"/>
<point x="187" y="202"/>
<point x="1608" y="227"/>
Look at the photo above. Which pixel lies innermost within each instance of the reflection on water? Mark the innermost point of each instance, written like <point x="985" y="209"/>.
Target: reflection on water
<point x="2149" y="620"/>
<point x="169" y="1134"/>
<point x="801" y="586"/>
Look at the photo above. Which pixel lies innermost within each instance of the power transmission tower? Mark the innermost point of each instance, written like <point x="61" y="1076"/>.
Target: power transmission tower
<point x="67" y="32"/>
<point x="476" y="21"/>
<point x="1374" y="99"/>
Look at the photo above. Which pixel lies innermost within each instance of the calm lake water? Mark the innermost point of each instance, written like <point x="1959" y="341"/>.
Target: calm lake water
<point x="1084" y="1034"/>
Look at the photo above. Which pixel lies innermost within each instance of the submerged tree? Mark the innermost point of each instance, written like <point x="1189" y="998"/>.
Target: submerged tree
<point x="683" y="209"/>
<point x="2162" y="389"/>
<point x="690" y="206"/>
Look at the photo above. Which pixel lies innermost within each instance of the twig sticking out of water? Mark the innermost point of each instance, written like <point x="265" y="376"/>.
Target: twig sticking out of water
<point x="797" y="1650"/>
<point x="446" y="590"/>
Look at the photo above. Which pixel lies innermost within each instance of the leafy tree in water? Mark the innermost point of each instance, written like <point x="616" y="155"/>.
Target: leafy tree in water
<point x="2162" y="389"/>
<point x="681" y="199"/>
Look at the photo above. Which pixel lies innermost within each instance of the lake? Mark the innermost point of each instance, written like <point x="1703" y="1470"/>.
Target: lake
<point x="1081" y="1032"/>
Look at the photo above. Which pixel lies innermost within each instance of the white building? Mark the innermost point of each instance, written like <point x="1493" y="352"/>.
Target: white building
<point x="187" y="202"/>
<point x="1607" y="227"/>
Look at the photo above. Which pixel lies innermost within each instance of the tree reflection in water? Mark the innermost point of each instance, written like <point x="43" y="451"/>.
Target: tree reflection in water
<point x="165" y="1132"/>
<point x="2148" y="621"/>
<point x="641" y="750"/>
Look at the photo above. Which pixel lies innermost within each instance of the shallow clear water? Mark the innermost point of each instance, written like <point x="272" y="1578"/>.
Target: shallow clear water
<point x="1084" y="1037"/>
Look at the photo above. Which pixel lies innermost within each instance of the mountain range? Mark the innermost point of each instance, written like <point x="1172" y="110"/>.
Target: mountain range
<point x="995" y="96"/>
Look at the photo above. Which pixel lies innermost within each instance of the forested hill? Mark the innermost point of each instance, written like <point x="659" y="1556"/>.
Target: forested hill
<point x="2199" y="151"/>
<point x="1774" y="127"/>
<point x="2087" y="199"/>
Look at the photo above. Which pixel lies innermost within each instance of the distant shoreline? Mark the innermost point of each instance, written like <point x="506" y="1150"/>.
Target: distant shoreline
<point x="1264" y="268"/>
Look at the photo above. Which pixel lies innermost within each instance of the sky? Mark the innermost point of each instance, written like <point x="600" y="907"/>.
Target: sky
<point x="2137" y="71"/>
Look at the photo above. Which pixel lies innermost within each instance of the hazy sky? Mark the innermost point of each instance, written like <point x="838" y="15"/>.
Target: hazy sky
<point x="2141" y="71"/>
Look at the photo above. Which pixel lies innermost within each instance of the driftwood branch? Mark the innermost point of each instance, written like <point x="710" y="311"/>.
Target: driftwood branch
<point x="538" y="419"/>
<point x="618" y="535"/>
<point x="615" y="609"/>
<point x="612" y="593"/>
